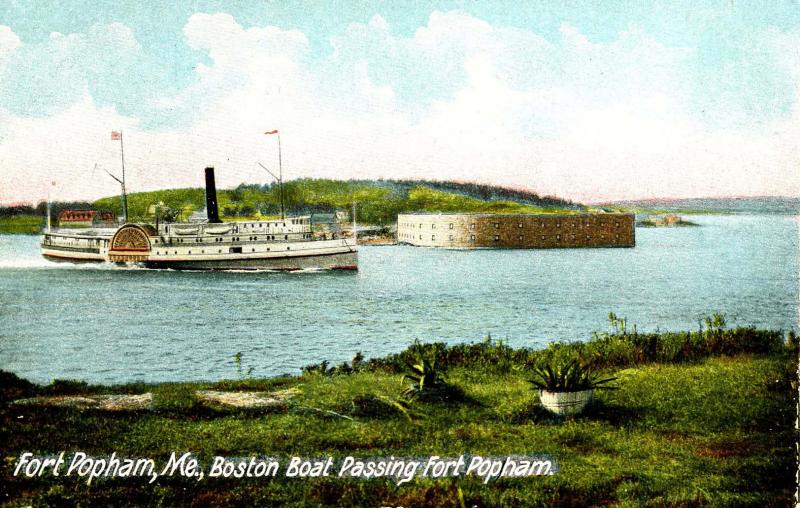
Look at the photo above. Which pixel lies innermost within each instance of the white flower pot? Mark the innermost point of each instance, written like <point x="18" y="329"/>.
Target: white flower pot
<point x="566" y="403"/>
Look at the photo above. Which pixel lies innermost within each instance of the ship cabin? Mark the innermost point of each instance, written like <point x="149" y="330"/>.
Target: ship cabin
<point x="228" y="237"/>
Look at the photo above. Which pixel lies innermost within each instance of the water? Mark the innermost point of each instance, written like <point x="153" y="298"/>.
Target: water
<point x="112" y="325"/>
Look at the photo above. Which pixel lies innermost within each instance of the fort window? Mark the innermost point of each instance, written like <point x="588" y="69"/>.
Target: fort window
<point x="520" y="237"/>
<point x="616" y="224"/>
<point x="451" y="225"/>
<point x="451" y="238"/>
<point x="558" y="224"/>
<point x="520" y="225"/>
<point x="472" y="237"/>
<point x="496" y="225"/>
<point x="542" y="237"/>
<point x="558" y="238"/>
<point x="433" y="226"/>
<point x="496" y="238"/>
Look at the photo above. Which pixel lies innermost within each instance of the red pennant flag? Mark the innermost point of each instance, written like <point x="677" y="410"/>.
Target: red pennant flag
<point x="272" y="132"/>
<point x="116" y="136"/>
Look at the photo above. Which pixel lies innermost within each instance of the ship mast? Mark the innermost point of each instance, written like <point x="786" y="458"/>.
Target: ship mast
<point x="355" y="230"/>
<point x="117" y="135"/>
<point x="279" y="178"/>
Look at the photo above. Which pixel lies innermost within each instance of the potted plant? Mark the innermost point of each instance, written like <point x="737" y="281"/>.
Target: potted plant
<point x="567" y="387"/>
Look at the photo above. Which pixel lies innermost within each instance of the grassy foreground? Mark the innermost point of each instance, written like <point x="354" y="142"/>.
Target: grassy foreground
<point x="701" y="418"/>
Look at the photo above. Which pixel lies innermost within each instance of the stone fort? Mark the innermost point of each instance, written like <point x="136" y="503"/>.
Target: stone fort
<point x="516" y="231"/>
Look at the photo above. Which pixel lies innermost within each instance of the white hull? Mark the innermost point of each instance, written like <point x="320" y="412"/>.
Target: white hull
<point x="322" y="254"/>
<point x="274" y="245"/>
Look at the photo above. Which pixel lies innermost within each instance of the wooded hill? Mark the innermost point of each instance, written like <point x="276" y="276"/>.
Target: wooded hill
<point x="377" y="201"/>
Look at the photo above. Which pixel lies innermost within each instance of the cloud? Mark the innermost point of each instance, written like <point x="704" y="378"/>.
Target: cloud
<point x="457" y="98"/>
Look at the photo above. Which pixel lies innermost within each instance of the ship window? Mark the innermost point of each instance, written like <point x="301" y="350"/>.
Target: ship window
<point x="156" y="241"/>
<point x="451" y="238"/>
<point x="255" y="238"/>
<point x="219" y="250"/>
<point x="190" y="252"/>
<point x="433" y="226"/>
<point x="285" y="237"/>
<point x="288" y="248"/>
<point x="433" y="237"/>
<point x="252" y="250"/>
<point x="236" y="250"/>
<point x="176" y="252"/>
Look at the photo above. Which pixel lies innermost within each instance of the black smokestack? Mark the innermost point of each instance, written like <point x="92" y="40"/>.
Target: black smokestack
<point x="211" y="197"/>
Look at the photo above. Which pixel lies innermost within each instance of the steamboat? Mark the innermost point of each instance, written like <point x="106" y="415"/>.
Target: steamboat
<point x="287" y="243"/>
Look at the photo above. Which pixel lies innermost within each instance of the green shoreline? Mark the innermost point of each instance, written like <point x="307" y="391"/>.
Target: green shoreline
<point x="702" y="418"/>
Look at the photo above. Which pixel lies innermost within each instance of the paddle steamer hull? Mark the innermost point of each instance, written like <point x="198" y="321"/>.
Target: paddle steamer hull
<point x="338" y="260"/>
<point x="77" y="245"/>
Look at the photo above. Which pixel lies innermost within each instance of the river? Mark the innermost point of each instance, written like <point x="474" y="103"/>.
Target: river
<point x="107" y="324"/>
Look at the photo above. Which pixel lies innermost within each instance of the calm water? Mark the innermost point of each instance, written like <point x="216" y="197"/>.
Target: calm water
<point x="106" y="324"/>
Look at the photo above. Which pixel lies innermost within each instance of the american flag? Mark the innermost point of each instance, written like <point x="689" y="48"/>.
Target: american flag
<point x="116" y="136"/>
<point x="272" y="132"/>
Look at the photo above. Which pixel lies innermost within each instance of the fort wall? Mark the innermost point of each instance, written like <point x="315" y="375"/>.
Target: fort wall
<point x="525" y="231"/>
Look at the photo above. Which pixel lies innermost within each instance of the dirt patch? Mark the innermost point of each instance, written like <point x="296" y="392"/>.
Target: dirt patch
<point x="100" y="402"/>
<point x="247" y="399"/>
<point x="730" y="448"/>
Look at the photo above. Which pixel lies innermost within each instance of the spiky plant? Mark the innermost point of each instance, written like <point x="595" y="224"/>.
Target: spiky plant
<point x="424" y="378"/>
<point x="567" y="376"/>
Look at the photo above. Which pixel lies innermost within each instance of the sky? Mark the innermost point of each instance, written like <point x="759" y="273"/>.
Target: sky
<point x="590" y="101"/>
